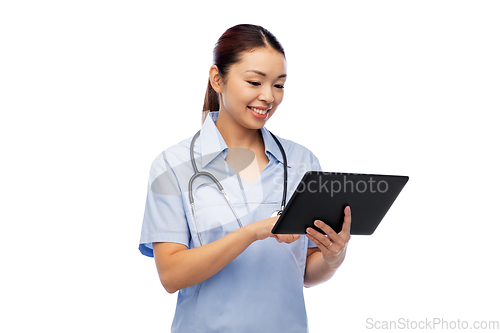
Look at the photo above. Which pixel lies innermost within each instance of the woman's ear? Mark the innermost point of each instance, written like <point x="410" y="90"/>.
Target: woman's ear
<point x="215" y="79"/>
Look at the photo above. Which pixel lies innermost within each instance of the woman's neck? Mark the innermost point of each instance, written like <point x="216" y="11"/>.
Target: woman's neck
<point x="237" y="136"/>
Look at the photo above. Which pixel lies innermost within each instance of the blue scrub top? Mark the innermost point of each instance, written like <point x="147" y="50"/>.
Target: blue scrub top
<point x="262" y="289"/>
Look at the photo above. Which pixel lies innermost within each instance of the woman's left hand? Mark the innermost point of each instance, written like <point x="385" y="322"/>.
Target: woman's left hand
<point x="333" y="245"/>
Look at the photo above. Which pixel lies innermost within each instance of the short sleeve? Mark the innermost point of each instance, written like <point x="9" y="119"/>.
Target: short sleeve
<point x="315" y="166"/>
<point x="164" y="216"/>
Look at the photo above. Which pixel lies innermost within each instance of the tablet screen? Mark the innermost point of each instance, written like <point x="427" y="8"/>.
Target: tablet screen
<point x="324" y="195"/>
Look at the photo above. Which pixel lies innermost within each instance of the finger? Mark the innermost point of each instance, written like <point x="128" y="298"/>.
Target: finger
<point x="286" y="238"/>
<point x="328" y="250"/>
<point x="346" y="226"/>
<point x="315" y="241"/>
<point x="328" y="244"/>
<point x="318" y="243"/>
<point x="328" y="230"/>
<point x="283" y="238"/>
<point x="325" y="241"/>
<point x="293" y="238"/>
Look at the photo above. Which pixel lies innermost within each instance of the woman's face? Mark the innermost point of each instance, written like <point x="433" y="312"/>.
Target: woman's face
<point x="253" y="88"/>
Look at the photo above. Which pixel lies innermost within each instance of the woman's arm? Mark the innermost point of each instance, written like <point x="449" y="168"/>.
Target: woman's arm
<point x="180" y="267"/>
<point x="323" y="260"/>
<point x="317" y="270"/>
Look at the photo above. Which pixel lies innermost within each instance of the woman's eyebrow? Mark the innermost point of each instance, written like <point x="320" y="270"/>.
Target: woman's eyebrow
<point x="263" y="74"/>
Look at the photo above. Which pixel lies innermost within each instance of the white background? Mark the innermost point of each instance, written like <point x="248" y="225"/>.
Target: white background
<point x="92" y="91"/>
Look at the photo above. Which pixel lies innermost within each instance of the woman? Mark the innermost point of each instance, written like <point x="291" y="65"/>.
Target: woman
<point x="232" y="273"/>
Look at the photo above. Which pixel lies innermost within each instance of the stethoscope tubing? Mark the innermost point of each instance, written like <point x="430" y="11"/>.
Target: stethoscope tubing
<point x="198" y="173"/>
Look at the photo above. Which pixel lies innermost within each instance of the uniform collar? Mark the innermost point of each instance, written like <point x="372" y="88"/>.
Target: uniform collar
<point x="212" y="142"/>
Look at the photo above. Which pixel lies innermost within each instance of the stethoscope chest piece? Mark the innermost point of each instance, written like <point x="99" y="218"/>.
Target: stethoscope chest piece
<point x="276" y="213"/>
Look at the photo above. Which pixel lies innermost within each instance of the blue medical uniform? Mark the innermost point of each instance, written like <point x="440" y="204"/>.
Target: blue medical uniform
<point x="262" y="289"/>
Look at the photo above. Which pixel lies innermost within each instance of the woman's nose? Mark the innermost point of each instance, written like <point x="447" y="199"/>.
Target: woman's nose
<point x="266" y="95"/>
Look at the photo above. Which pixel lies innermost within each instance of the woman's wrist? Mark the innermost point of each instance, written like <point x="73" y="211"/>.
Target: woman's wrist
<point x="250" y="231"/>
<point x="334" y="262"/>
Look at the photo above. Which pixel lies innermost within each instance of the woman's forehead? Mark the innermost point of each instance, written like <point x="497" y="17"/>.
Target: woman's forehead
<point x="262" y="62"/>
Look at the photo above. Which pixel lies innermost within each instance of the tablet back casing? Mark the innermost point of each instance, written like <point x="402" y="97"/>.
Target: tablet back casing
<point x="324" y="195"/>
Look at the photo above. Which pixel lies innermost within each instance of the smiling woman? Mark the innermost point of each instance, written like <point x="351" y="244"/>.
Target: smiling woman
<point x="253" y="89"/>
<point x="231" y="272"/>
<point x="234" y="44"/>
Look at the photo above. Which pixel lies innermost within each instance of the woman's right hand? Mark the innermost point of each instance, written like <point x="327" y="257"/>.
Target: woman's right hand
<point x="262" y="229"/>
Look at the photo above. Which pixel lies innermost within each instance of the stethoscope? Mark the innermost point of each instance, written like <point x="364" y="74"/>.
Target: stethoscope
<point x="221" y="189"/>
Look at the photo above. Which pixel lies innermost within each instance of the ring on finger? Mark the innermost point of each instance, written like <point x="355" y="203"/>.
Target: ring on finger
<point x="329" y="245"/>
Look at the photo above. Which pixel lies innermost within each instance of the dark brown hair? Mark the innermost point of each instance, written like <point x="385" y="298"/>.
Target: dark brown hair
<point x="228" y="50"/>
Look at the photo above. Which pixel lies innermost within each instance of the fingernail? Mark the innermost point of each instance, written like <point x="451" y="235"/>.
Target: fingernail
<point x="308" y="230"/>
<point x="348" y="209"/>
<point x="317" y="223"/>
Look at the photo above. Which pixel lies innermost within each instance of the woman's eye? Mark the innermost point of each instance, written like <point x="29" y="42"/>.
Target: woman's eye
<point x="254" y="83"/>
<point x="279" y="86"/>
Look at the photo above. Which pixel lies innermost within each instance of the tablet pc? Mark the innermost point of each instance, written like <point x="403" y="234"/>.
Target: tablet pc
<point x="324" y="195"/>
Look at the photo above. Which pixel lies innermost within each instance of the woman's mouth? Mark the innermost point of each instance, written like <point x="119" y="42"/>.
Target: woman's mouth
<point x="259" y="111"/>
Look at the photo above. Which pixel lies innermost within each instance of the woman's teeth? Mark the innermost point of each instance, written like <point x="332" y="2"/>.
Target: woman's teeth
<point x="258" y="111"/>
